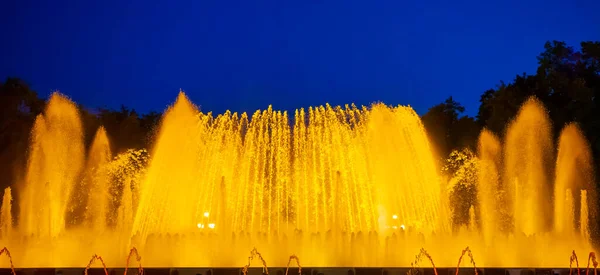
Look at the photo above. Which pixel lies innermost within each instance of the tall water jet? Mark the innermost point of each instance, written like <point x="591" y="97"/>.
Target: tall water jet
<point x="55" y="161"/>
<point x="574" y="180"/>
<point x="98" y="181"/>
<point x="528" y="158"/>
<point x="584" y="215"/>
<point x="170" y="191"/>
<point x="488" y="185"/>
<point x="337" y="186"/>
<point x="125" y="210"/>
<point x="337" y="170"/>
<point x="263" y="187"/>
<point x="6" y="219"/>
<point x="400" y="153"/>
<point x="126" y="172"/>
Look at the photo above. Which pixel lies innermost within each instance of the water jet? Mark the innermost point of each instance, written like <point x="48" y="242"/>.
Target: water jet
<point x="336" y="186"/>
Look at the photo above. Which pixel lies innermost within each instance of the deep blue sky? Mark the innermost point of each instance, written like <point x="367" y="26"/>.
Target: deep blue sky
<point x="244" y="55"/>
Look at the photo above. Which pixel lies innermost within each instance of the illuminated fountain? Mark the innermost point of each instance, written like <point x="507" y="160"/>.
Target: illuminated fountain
<point x="574" y="180"/>
<point x="336" y="186"/>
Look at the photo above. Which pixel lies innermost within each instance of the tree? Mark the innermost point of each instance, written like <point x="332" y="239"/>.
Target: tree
<point x="19" y="105"/>
<point x="447" y="130"/>
<point x="123" y="128"/>
<point x="565" y="81"/>
<point x="149" y="123"/>
<point x="461" y="168"/>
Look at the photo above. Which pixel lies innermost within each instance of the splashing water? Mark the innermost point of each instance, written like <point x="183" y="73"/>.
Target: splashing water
<point x="418" y="259"/>
<point x="489" y="150"/>
<point x="295" y="258"/>
<point x="138" y="258"/>
<point x="470" y="254"/>
<point x="337" y="186"/>
<point x="6" y="252"/>
<point x="92" y="260"/>
<point x="98" y="159"/>
<point x="6" y="220"/>
<point x="55" y="162"/>
<point x="528" y="157"/>
<point x="592" y="259"/>
<point x="571" y="260"/>
<point x="255" y="253"/>
<point x="574" y="178"/>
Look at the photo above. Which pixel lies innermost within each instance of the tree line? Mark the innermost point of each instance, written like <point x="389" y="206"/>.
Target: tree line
<point x="567" y="81"/>
<point x="19" y="106"/>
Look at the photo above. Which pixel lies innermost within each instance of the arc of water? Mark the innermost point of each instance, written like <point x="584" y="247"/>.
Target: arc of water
<point x="138" y="258"/>
<point x="572" y="259"/>
<point x="294" y="257"/>
<point x="592" y="258"/>
<point x="12" y="267"/>
<point x="94" y="258"/>
<point x="253" y="254"/>
<point x="415" y="264"/>
<point x="467" y="250"/>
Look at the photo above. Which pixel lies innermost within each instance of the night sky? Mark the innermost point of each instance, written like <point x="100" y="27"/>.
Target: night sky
<point x="245" y="55"/>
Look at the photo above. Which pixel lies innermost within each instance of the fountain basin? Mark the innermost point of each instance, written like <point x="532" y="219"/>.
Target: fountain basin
<point x="282" y="271"/>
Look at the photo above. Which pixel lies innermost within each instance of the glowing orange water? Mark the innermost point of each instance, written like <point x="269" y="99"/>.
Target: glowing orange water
<point x="55" y="161"/>
<point x="336" y="186"/>
<point x="255" y="253"/>
<point x="574" y="182"/>
<point x="528" y="158"/>
<point x="490" y="153"/>
<point x="98" y="185"/>
<point x="470" y="255"/>
<point x="6" y="252"/>
<point x="6" y="219"/>
<point x="418" y="259"/>
<point x="92" y="260"/>
<point x="593" y="261"/>
<point x="293" y="258"/>
<point x="337" y="170"/>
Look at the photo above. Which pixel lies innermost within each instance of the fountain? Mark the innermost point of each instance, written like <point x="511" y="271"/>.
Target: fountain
<point x="574" y="179"/>
<point x="489" y="151"/>
<point x="97" y="181"/>
<point x="336" y="186"/>
<point x="55" y="163"/>
<point x="528" y="156"/>
<point x="6" y="220"/>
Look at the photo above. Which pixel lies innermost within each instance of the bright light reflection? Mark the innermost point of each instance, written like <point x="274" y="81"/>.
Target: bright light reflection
<point x="206" y="214"/>
<point x="211" y="225"/>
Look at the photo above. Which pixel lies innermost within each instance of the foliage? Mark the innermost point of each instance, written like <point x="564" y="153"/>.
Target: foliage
<point x="447" y="130"/>
<point x="567" y="82"/>
<point x="19" y="106"/>
<point x="461" y="168"/>
<point x="126" y="170"/>
<point x="129" y="166"/>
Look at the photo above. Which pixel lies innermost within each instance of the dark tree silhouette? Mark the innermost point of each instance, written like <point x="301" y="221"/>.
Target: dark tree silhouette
<point x="447" y="129"/>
